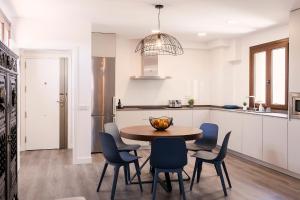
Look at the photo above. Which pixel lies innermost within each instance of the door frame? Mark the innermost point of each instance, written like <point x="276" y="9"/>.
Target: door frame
<point x="71" y="56"/>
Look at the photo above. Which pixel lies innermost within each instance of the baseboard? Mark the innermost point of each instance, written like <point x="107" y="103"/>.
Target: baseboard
<point x="264" y="164"/>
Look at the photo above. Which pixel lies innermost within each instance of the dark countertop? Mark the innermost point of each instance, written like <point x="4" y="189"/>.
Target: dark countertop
<point x="274" y="113"/>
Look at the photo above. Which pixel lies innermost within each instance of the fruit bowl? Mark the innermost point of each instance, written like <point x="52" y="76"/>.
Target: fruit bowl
<point x="161" y="123"/>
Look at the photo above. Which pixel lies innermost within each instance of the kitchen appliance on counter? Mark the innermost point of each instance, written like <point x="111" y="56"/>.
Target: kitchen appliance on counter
<point x="175" y="104"/>
<point x="294" y="105"/>
<point x="103" y="100"/>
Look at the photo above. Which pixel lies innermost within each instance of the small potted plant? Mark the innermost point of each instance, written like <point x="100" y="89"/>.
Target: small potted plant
<point x="191" y="102"/>
<point x="244" y="105"/>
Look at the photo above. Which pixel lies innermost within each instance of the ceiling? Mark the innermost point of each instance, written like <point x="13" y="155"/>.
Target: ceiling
<point x="182" y="18"/>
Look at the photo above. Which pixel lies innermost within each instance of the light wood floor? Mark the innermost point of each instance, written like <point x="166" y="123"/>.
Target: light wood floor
<point x="49" y="174"/>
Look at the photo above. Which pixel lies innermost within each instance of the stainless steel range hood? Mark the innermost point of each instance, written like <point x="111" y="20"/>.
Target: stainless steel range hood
<point x="149" y="70"/>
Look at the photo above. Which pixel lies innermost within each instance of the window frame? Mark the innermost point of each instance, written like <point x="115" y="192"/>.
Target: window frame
<point x="268" y="47"/>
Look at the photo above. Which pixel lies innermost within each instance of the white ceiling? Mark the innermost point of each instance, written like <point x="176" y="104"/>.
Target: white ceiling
<point x="181" y="18"/>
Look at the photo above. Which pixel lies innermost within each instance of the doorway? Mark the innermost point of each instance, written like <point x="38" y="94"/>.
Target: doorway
<point x="46" y="103"/>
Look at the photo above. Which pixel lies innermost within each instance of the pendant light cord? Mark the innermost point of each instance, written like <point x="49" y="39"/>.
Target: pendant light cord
<point x="159" y="19"/>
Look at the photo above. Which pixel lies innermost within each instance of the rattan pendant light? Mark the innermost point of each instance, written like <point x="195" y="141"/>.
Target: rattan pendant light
<point x="159" y="43"/>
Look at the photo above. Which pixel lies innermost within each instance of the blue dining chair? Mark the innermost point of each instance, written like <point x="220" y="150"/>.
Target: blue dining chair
<point x="168" y="155"/>
<point x="112" y="129"/>
<point x="209" y="140"/>
<point x="216" y="159"/>
<point x="117" y="159"/>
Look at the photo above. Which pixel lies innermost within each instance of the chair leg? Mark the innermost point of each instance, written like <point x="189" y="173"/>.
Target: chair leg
<point x="216" y="169"/>
<point x="194" y="174"/>
<point x="102" y="176"/>
<point x="226" y="173"/>
<point x="155" y="184"/>
<point x="218" y="166"/>
<point x="138" y="173"/>
<point x="116" y="174"/>
<point x="199" y="170"/>
<point x="126" y="174"/>
<point x="135" y="153"/>
<point x="181" y="186"/>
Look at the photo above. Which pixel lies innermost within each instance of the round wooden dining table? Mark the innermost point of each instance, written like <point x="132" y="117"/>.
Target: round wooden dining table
<point x="148" y="133"/>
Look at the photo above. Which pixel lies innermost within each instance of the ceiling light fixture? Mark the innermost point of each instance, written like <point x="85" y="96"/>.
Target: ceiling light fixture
<point x="232" y="21"/>
<point x="202" y="34"/>
<point x="159" y="43"/>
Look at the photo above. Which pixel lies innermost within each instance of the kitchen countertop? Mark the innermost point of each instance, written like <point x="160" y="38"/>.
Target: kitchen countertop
<point x="275" y="113"/>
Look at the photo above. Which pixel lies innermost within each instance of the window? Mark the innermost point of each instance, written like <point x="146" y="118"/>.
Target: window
<point x="5" y="29"/>
<point x="269" y="74"/>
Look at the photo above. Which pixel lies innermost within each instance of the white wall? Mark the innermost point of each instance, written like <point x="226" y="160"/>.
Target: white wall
<point x="294" y="52"/>
<point x="189" y="72"/>
<point x="74" y="36"/>
<point x="230" y="81"/>
<point x="204" y="73"/>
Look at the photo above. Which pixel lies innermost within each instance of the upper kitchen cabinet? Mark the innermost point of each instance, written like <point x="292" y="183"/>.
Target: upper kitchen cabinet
<point x="229" y="121"/>
<point x="275" y="141"/>
<point x="103" y="44"/>
<point x="294" y="49"/>
<point x="182" y="117"/>
<point x="252" y="136"/>
<point x="293" y="145"/>
<point x="200" y="117"/>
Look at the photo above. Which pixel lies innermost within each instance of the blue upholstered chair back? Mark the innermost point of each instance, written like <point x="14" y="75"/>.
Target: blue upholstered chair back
<point x="223" y="150"/>
<point x="112" y="129"/>
<point x="109" y="148"/>
<point x="168" y="153"/>
<point x="210" y="134"/>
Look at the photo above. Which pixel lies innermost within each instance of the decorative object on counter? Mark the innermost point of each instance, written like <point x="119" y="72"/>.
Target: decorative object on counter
<point x="159" y="43"/>
<point x="245" y="105"/>
<point x="268" y="109"/>
<point x="261" y="108"/>
<point x="231" y="107"/>
<point x="175" y="104"/>
<point x="119" y="104"/>
<point x="161" y="123"/>
<point x="191" y="102"/>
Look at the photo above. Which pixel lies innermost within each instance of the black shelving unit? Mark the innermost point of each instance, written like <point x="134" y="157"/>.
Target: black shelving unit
<point x="8" y="124"/>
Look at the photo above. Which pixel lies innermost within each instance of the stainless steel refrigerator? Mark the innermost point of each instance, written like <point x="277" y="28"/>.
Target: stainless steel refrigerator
<point x="103" y="100"/>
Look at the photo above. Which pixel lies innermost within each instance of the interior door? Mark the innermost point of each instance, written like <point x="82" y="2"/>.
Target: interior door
<point x="42" y="103"/>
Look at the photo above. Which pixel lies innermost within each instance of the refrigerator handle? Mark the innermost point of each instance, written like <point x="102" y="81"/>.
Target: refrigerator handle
<point x="114" y="105"/>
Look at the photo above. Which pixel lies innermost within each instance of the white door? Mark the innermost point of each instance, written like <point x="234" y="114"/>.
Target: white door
<point x="42" y="107"/>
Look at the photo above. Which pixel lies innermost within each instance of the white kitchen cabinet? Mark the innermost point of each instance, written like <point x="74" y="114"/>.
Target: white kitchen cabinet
<point x="152" y="113"/>
<point x="294" y="146"/>
<point x="229" y="121"/>
<point x="200" y="117"/>
<point x="252" y="142"/>
<point x="217" y="117"/>
<point x="182" y="117"/>
<point x="275" y="141"/>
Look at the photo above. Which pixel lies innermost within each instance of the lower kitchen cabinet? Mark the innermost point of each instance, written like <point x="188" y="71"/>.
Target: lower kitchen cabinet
<point x="275" y="141"/>
<point x="229" y="121"/>
<point x="252" y="142"/>
<point x="200" y="117"/>
<point x="294" y="145"/>
<point x="182" y="117"/>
